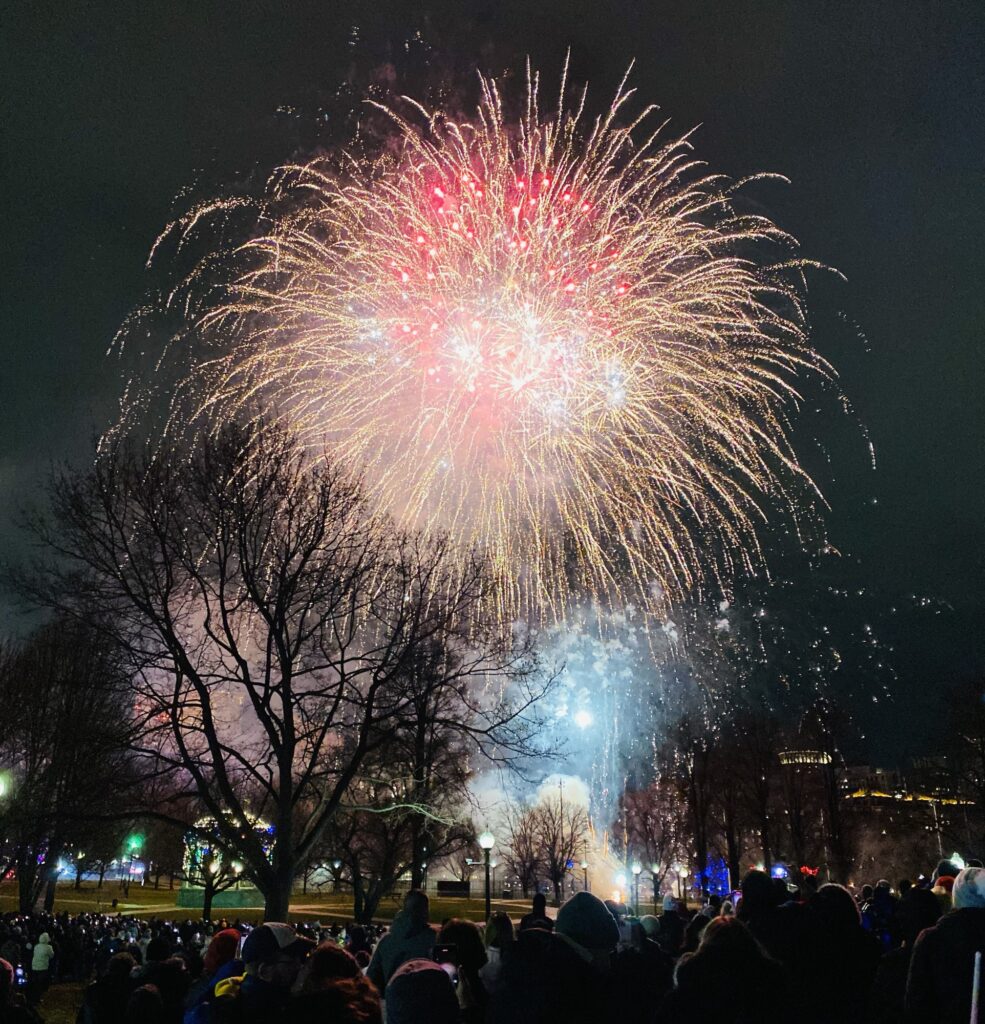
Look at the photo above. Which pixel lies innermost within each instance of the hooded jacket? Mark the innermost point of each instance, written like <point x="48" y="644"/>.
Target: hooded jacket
<point x="43" y="953"/>
<point x="407" y="939"/>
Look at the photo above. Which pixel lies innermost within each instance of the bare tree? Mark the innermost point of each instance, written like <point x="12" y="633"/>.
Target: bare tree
<point x="560" y="828"/>
<point x="523" y="855"/>
<point x="757" y="755"/>
<point x="654" y="827"/>
<point x="63" y="743"/>
<point x="688" y="757"/>
<point x="271" y="622"/>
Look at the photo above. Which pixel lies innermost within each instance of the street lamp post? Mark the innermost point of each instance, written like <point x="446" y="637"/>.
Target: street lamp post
<point x="682" y="873"/>
<point x="584" y="868"/>
<point x="637" y="871"/>
<point x="486" y="842"/>
<point x="655" y="871"/>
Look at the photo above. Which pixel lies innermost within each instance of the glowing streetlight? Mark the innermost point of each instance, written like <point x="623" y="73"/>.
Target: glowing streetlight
<point x="486" y="842"/>
<point x="637" y="871"/>
<point x="584" y="868"/>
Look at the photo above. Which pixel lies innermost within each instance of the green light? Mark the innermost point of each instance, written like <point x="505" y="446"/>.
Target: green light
<point x="135" y="842"/>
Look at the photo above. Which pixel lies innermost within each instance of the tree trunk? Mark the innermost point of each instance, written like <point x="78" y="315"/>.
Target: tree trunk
<point x="49" y="892"/>
<point x="207" y="896"/>
<point x="734" y="859"/>
<point x="277" y="898"/>
<point x="418" y="857"/>
<point x="78" y="877"/>
<point x="102" y="875"/>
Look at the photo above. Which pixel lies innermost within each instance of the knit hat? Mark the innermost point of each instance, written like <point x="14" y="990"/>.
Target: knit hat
<point x="420" y="992"/>
<point x="945" y="868"/>
<point x="6" y="978"/>
<point x="651" y="925"/>
<point x="669" y="903"/>
<point x="272" y="938"/>
<point x="222" y="949"/>
<point x="969" y="889"/>
<point x="945" y="882"/>
<point x="585" y="920"/>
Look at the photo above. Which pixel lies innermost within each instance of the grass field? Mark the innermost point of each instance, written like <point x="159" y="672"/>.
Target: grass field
<point x="145" y="901"/>
<point x="61" y="1002"/>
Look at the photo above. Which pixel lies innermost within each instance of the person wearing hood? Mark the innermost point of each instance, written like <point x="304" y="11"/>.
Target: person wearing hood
<point x="410" y="937"/>
<point x="559" y="977"/>
<point x="41" y="959"/>
<point x="938" y="987"/>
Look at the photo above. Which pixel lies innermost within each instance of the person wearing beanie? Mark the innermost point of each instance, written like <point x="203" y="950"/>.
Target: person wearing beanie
<point x="219" y="963"/>
<point x="671" y="935"/>
<point x="421" y="992"/>
<point x="942" y="890"/>
<point x="939" y="984"/>
<point x="945" y="867"/>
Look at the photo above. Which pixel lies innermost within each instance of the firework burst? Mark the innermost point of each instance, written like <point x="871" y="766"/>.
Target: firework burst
<point x="552" y="336"/>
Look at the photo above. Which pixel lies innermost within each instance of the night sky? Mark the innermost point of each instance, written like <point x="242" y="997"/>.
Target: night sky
<point x="874" y="111"/>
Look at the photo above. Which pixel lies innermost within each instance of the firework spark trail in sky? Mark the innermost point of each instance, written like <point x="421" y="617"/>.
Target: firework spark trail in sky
<point x="551" y="336"/>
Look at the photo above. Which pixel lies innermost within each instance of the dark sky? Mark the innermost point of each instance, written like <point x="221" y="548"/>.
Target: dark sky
<point x="874" y="110"/>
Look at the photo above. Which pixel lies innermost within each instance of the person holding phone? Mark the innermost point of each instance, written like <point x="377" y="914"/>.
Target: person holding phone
<point x="460" y="942"/>
<point x="13" y="1008"/>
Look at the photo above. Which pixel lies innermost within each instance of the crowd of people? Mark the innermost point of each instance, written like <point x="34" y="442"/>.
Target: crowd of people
<point x="771" y="955"/>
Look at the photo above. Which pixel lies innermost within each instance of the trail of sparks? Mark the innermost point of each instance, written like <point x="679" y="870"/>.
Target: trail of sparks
<point x="553" y="338"/>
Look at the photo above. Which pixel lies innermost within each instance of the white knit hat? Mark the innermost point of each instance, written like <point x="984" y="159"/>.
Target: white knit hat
<point x="969" y="889"/>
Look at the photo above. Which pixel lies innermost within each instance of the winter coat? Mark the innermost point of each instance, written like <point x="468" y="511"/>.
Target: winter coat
<point x="546" y="981"/>
<point x="938" y="988"/>
<point x="43" y="954"/>
<point x="406" y="940"/>
<point x="889" y="987"/>
<point x="725" y="987"/>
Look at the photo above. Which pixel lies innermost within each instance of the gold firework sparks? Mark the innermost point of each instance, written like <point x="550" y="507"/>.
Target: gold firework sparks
<point x="554" y="338"/>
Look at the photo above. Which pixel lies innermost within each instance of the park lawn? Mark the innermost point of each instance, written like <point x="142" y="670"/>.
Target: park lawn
<point x="146" y="901"/>
<point x="61" y="1003"/>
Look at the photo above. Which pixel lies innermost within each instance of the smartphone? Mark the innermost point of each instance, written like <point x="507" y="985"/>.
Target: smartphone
<point x="446" y="954"/>
<point x="20" y="976"/>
